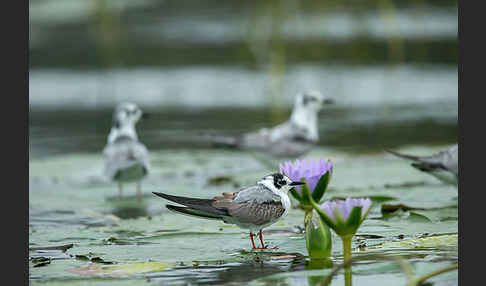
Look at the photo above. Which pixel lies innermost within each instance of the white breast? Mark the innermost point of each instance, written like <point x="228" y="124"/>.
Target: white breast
<point x="285" y="202"/>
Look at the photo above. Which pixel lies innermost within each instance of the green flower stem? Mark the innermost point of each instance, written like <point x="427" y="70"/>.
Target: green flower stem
<point x="421" y="279"/>
<point x="307" y="215"/>
<point x="347" y="259"/>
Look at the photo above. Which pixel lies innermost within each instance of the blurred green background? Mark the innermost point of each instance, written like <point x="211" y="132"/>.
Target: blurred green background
<point x="234" y="66"/>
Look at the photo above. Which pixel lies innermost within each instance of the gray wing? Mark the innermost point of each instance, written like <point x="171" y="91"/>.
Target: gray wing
<point x="255" y="214"/>
<point x="255" y="205"/>
<point x="450" y="159"/>
<point x="444" y="160"/>
<point x="123" y="154"/>
<point x="284" y="131"/>
<point x="447" y="160"/>
<point x="285" y="139"/>
<point x="258" y="194"/>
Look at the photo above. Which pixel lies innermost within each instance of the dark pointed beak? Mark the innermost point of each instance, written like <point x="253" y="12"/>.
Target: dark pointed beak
<point x="328" y="101"/>
<point x="145" y="115"/>
<point x="296" y="183"/>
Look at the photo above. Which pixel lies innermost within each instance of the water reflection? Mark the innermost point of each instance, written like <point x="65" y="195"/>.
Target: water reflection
<point x="224" y="273"/>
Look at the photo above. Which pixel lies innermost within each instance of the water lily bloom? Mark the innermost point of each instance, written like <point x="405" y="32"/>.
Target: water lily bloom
<point x="310" y="169"/>
<point x="315" y="172"/>
<point x="344" y="216"/>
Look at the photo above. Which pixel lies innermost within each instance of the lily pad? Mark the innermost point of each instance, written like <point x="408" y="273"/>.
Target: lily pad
<point x="121" y="269"/>
<point x="375" y="199"/>
<point x="388" y="208"/>
<point x="430" y="241"/>
<point x="63" y="248"/>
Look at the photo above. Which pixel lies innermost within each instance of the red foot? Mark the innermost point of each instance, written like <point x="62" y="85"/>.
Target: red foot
<point x="261" y="242"/>
<point x="265" y="247"/>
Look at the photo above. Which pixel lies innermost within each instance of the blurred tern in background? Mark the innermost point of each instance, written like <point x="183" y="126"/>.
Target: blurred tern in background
<point x="293" y="138"/>
<point x="442" y="165"/>
<point x="126" y="158"/>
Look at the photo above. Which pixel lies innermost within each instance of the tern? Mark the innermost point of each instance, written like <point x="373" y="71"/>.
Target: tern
<point x="126" y="158"/>
<point x="253" y="208"/>
<point x="292" y="138"/>
<point x="442" y="165"/>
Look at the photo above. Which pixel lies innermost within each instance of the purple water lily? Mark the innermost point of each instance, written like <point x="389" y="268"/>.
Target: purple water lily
<point x="344" y="208"/>
<point x="311" y="169"/>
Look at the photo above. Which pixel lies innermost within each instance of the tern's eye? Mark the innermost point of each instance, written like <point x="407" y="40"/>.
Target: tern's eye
<point x="309" y="98"/>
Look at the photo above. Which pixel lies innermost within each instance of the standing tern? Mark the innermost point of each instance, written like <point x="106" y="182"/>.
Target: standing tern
<point x="253" y="208"/>
<point x="126" y="158"/>
<point x="292" y="138"/>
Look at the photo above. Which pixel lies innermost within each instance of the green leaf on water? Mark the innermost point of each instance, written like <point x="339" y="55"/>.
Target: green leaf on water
<point x="416" y="217"/>
<point x="374" y="199"/>
<point x="432" y="241"/>
<point x="389" y="208"/>
<point x="121" y="269"/>
<point x="82" y="257"/>
<point x="60" y="247"/>
<point x="42" y="264"/>
<point x="41" y="261"/>
<point x="100" y="260"/>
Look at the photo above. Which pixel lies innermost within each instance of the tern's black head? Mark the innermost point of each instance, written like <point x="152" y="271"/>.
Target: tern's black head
<point x="278" y="180"/>
<point x="312" y="99"/>
<point x="126" y="113"/>
<point x="308" y="98"/>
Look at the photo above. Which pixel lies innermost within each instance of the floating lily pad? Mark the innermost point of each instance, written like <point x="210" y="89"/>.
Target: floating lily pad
<point x="374" y="199"/>
<point x="40" y="261"/>
<point x="63" y="248"/>
<point x="429" y="241"/>
<point x="416" y="217"/>
<point x="388" y="208"/>
<point x="121" y="269"/>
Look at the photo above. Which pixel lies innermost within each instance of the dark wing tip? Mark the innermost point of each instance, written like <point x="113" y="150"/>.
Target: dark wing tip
<point x="427" y="167"/>
<point x="193" y="212"/>
<point x="405" y="156"/>
<point x="162" y="195"/>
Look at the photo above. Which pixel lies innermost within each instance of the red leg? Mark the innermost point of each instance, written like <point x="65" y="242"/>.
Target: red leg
<point x="260" y="234"/>
<point x="252" y="242"/>
<point x="261" y="240"/>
